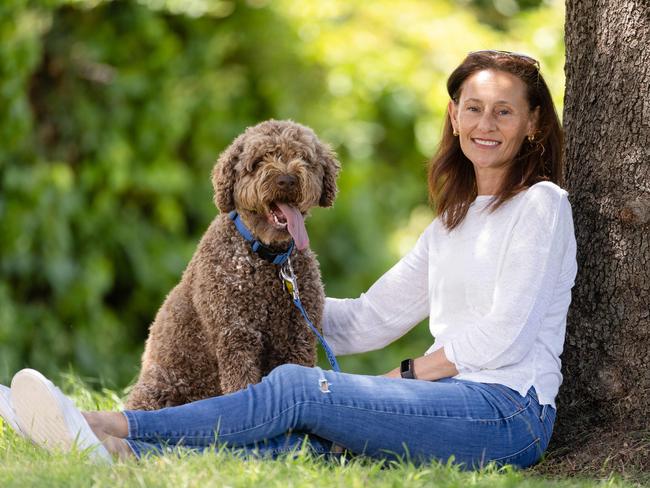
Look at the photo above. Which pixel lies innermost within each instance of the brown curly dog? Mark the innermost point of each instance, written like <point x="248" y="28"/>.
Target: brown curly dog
<point x="230" y="321"/>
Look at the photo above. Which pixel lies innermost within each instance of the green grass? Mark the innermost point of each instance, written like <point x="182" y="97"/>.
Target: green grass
<point x="23" y="465"/>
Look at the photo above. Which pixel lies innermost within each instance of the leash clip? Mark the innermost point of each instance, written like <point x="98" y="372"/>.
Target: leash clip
<point x="289" y="279"/>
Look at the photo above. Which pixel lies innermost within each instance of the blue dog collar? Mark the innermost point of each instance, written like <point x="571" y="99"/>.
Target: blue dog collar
<point x="258" y="248"/>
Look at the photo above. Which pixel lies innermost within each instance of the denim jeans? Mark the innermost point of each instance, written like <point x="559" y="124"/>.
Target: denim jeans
<point x="474" y="423"/>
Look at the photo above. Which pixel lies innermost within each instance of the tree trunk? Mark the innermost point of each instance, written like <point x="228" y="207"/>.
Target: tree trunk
<point x="604" y="403"/>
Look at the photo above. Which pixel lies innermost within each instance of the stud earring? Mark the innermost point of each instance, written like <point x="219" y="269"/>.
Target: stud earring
<point x="531" y="137"/>
<point x="455" y="133"/>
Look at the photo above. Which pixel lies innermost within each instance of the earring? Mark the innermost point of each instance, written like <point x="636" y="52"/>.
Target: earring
<point x="531" y="137"/>
<point x="455" y="133"/>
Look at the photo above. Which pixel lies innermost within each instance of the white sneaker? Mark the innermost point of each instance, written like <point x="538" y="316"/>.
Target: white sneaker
<point x="7" y="412"/>
<point x="50" y="418"/>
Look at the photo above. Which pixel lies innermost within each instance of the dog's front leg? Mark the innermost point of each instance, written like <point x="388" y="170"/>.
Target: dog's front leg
<point x="301" y="349"/>
<point x="239" y="349"/>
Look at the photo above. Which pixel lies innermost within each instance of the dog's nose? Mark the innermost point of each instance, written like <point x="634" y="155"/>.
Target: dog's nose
<point x="286" y="182"/>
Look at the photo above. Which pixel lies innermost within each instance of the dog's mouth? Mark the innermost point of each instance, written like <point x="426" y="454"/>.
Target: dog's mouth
<point x="286" y="217"/>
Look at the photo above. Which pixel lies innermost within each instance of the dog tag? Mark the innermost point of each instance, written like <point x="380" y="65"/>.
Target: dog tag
<point x="289" y="279"/>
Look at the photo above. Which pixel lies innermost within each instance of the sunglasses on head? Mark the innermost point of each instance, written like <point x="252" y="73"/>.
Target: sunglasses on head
<point x="523" y="57"/>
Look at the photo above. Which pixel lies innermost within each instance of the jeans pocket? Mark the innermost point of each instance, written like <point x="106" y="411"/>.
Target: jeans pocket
<point x="513" y="398"/>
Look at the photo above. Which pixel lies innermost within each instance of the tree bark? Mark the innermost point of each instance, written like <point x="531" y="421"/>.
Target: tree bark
<point x="606" y="363"/>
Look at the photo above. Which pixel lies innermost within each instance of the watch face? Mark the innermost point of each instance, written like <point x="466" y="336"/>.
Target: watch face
<point x="406" y="369"/>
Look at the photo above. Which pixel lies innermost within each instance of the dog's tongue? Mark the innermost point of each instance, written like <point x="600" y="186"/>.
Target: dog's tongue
<point x="296" y="225"/>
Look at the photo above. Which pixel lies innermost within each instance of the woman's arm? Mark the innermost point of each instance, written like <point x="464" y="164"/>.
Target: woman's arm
<point x="431" y="367"/>
<point x="397" y="302"/>
<point x="538" y="266"/>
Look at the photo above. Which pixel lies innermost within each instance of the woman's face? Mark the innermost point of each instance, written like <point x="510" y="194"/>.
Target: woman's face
<point x="492" y="118"/>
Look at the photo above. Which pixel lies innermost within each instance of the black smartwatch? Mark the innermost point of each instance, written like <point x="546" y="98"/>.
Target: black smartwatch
<point x="406" y="369"/>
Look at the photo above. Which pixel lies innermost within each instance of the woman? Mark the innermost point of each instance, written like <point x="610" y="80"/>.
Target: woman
<point x="493" y="272"/>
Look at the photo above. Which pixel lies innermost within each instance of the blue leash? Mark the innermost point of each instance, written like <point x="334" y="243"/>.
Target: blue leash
<point x="288" y="277"/>
<point x="291" y="284"/>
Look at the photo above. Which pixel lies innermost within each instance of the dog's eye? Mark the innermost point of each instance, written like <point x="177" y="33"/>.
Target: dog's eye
<point x="255" y="163"/>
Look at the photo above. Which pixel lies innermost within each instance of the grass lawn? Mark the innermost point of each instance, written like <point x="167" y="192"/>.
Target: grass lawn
<point x="24" y="465"/>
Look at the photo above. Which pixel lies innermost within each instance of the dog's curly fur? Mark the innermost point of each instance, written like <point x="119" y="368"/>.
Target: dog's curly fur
<point x="230" y="321"/>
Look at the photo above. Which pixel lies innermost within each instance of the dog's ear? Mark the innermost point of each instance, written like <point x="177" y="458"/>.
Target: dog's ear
<point x="223" y="175"/>
<point x="332" y="168"/>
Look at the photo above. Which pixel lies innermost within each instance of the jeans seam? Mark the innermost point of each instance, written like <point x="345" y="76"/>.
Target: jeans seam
<point x="543" y="418"/>
<point x="520" y="451"/>
<point x="135" y="449"/>
<point x="133" y="425"/>
<point x="446" y="417"/>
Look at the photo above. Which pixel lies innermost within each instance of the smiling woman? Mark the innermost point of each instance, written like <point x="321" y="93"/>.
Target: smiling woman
<point x="501" y="135"/>
<point x="492" y="118"/>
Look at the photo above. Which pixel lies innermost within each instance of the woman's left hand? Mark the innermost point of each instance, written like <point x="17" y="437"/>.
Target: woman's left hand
<point x="429" y="368"/>
<point x="394" y="373"/>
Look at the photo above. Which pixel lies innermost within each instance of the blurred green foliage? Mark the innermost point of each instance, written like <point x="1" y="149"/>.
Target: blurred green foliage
<point x="112" y="114"/>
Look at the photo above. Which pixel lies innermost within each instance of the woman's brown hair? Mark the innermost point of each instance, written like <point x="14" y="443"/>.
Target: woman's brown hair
<point x="452" y="182"/>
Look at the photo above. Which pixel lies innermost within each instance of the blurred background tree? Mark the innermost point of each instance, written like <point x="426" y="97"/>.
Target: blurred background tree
<point x="112" y="114"/>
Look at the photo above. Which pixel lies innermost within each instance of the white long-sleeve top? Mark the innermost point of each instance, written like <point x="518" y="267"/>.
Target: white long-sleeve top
<point x="496" y="290"/>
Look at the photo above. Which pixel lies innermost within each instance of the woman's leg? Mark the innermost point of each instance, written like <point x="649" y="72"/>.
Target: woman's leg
<point x="376" y="416"/>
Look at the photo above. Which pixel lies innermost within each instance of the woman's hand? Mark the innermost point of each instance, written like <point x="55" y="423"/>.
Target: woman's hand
<point x="394" y="373"/>
<point x="431" y="367"/>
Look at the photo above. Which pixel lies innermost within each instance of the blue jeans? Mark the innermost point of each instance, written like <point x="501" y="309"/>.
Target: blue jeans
<point x="474" y="423"/>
